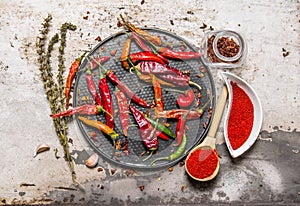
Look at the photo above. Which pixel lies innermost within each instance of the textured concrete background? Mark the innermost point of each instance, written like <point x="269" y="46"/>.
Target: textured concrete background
<point x="267" y="174"/>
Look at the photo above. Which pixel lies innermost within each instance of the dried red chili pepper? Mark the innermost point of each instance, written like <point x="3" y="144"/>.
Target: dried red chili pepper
<point x="186" y="100"/>
<point x="183" y="55"/>
<point x="128" y="92"/>
<point x="125" y="53"/>
<point x="156" y="68"/>
<point x="84" y="109"/>
<point x="154" y="39"/>
<point x="178" y="113"/>
<point x="143" y="56"/>
<point x="149" y="137"/>
<point x="98" y="60"/>
<point x="144" y="47"/>
<point x="147" y="78"/>
<point x="72" y="72"/>
<point x="106" y="99"/>
<point x="241" y="117"/>
<point x="158" y="97"/>
<point x="92" y="87"/>
<point x="123" y="110"/>
<point x="101" y="126"/>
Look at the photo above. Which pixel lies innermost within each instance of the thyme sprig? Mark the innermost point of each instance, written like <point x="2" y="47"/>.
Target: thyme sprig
<point x="54" y="89"/>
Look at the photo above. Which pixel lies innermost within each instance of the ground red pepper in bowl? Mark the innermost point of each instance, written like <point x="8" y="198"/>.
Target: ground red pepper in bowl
<point x="241" y="117"/>
<point x="202" y="163"/>
<point x="244" y="116"/>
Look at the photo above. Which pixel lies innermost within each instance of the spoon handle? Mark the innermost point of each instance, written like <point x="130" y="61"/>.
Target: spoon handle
<point x="218" y="113"/>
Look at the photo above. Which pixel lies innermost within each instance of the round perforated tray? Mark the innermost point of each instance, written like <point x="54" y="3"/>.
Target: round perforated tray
<point x="102" y="144"/>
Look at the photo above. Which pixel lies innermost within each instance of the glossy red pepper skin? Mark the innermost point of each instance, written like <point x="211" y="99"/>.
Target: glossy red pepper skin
<point x="186" y="100"/>
<point x="179" y="113"/>
<point x="157" y="68"/>
<point x="149" y="137"/>
<point x="180" y="130"/>
<point x="84" y="109"/>
<point x="183" y="55"/>
<point x="123" y="111"/>
<point x="98" y="60"/>
<point x="145" y="47"/>
<point x="144" y="56"/>
<point x="128" y="92"/>
<point x="106" y="100"/>
<point x="181" y="81"/>
<point x="92" y="87"/>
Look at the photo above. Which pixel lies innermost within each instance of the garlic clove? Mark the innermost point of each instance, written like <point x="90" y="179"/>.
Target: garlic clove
<point x="92" y="161"/>
<point x="41" y="148"/>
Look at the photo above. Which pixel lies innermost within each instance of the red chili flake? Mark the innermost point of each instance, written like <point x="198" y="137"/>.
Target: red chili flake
<point x="119" y="24"/>
<point x="183" y="47"/>
<point x="88" y="12"/>
<point x="142" y="2"/>
<point x="200" y="75"/>
<point x="85" y="17"/>
<point x="98" y="38"/>
<point x="182" y="188"/>
<point x="92" y="134"/>
<point x="204" y="125"/>
<point x="129" y="172"/>
<point x="142" y="187"/>
<point x="100" y="169"/>
<point x="70" y="140"/>
<point x="113" y="52"/>
<point x="181" y="164"/>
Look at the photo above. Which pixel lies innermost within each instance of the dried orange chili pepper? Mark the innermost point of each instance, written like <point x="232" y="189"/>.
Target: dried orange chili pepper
<point x="100" y="126"/>
<point x="158" y="97"/>
<point x="125" y="53"/>
<point x="154" y="39"/>
<point x="73" y="69"/>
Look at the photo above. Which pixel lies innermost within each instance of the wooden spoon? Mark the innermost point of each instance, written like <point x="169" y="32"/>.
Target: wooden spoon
<point x="209" y="143"/>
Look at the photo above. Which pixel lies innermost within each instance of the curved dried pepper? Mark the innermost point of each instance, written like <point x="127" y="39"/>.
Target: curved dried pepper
<point x="125" y="53"/>
<point x="106" y="99"/>
<point x="84" y="109"/>
<point x="100" y="126"/>
<point x="123" y="110"/>
<point x="128" y="92"/>
<point x="149" y="137"/>
<point x="72" y="72"/>
<point x="154" y="39"/>
<point x="92" y="87"/>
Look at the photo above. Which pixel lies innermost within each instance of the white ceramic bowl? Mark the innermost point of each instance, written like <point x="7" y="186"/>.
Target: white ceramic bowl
<point x="258" y="113"/>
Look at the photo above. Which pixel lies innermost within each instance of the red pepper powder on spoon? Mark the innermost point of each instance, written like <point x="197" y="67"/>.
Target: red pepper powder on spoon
<point x="202" y="163"/>
<point x="241" y="117"/>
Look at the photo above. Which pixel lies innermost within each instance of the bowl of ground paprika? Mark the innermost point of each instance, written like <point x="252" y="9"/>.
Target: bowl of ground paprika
<point x="223" y="49"/>
<point x="244" y="116"/>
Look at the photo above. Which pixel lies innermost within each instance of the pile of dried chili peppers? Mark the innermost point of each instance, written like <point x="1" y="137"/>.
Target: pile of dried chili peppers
<point x="151" y="65"/>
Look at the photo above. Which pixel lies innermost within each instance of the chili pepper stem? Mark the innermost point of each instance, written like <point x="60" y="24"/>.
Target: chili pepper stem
<point x="196" y="85"/>
<point x="159" y="159"/>
<point x="101" y="109"/>
<point x="150" y="155"/>
<point x="176" y="90"/>
<point x="201" y="110"/>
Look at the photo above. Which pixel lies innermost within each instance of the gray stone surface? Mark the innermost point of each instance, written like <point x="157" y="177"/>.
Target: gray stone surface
<point x="268" y="174"/>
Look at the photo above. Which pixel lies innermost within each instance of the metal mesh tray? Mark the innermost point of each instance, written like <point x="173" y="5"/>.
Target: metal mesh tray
<point x="102" y="144"/>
